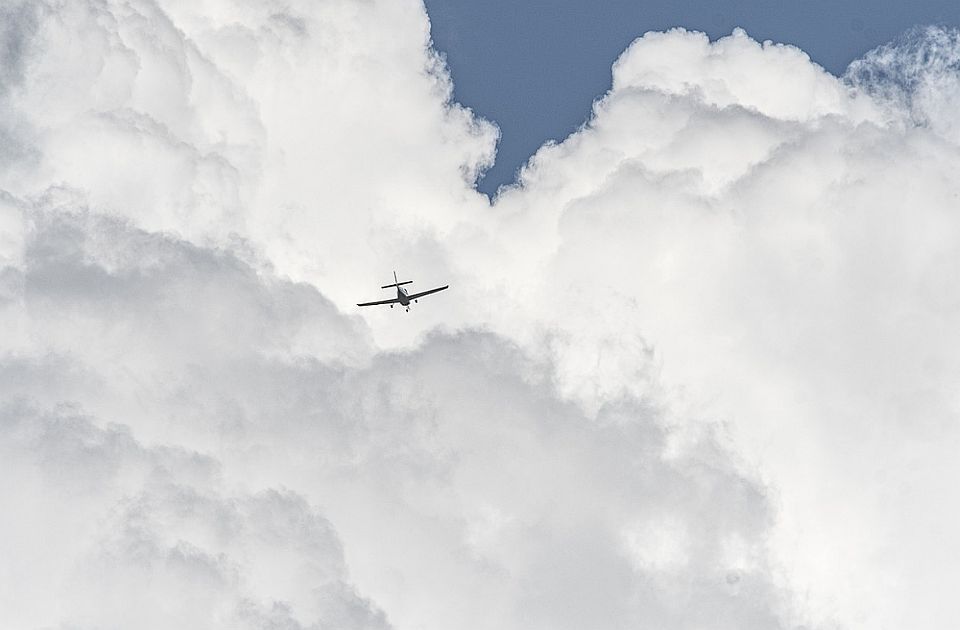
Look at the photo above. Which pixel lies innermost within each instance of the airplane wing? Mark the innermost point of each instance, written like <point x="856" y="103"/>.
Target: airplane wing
<point x="393" y="301"/>
<point x="420" y="295"/>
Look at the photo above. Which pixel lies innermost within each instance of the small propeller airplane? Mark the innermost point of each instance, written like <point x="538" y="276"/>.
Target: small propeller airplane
<point x="402" y="298"/>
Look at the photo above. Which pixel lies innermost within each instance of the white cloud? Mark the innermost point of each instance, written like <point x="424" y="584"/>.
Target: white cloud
<point x="916" y="74"/>
<point x="463" y="490"/>
<point x="791" y="265"/>
<point x="695" y="371"/>
<point x="109" y="533"/>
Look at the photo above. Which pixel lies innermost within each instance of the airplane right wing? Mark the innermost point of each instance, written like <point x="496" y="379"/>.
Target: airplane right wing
<point x="393" y="301"/>
<point x="420" y="295"/>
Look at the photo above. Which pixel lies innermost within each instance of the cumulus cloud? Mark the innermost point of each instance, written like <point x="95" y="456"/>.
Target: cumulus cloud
<point x="110" y="533"/>
<point x="791" y="265"/>
<point x="916" y="75"/>
<point x="464" y="491"/>
<point x="695" y="370"/>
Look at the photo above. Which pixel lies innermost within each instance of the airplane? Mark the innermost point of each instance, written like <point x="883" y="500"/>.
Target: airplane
<point x="402" y="298"/>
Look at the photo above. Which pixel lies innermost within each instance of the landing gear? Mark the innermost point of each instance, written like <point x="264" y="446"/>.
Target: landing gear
<point x="391" y="306"/>
<point x="408" y="309"/>
<point x="415" y="301"/>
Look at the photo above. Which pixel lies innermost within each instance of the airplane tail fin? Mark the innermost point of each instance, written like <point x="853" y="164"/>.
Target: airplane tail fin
<point x="396" y="283"/>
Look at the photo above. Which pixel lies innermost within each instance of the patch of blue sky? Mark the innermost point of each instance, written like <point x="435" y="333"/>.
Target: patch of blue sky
<point x="535" y="66"/>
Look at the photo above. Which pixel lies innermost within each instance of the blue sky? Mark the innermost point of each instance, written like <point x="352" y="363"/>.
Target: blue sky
<point x="535" y="66"/>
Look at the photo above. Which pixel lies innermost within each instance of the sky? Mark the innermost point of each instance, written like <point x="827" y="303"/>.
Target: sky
<point x="696" y="369"/>
<point x="535" y="67"/>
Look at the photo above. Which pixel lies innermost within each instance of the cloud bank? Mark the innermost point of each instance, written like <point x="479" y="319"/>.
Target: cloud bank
<point x="696" y="369"/>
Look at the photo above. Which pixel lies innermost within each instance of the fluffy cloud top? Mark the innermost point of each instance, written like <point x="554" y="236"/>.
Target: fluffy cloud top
<point x="696" y="369"/>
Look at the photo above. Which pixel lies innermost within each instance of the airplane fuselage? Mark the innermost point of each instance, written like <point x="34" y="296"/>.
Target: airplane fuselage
<point x="402" y="297"/>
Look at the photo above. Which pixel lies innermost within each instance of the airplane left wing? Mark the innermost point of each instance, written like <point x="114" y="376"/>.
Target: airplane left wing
<point x="420" y="295"/>
<point x="393" y="301"/>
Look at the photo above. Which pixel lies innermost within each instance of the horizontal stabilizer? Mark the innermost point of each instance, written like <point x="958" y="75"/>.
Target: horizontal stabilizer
<point x="397" y="284"/>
